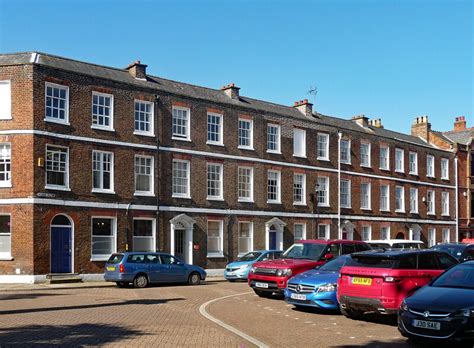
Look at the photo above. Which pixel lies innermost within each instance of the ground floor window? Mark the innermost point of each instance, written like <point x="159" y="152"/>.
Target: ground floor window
<point x="323" y="231"/>
<point x="5" y="237"/>
<point x="300" y="232"/>
<point x="103" y="238"/>
<point x="215" y="238"/>
<point x="143" y="234"/>
<point x="385" y="233"/>
<point x="366" y="233"/>
<point x="431" y="237"/>
<point x="245" y="237"/>
<point x="445" y="236"/>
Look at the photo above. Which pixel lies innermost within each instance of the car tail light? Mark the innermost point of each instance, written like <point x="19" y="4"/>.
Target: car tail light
<point x="121" y="268"/>
<point x="393" y="279"/>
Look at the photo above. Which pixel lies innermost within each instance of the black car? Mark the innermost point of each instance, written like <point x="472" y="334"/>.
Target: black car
<point x="443" y="309"/>
<point x="461" y="251"/>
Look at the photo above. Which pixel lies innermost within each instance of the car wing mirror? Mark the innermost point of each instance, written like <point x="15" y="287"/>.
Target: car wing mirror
<point x="328" y="257"/>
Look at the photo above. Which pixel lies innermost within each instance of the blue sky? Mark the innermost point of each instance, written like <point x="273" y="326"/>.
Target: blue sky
<point x="390" y="59"/>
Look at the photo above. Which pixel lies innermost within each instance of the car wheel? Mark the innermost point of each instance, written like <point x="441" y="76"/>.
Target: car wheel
<point x="261" y="293"/>
<point x="122" y="284"/>
<point x="194" y="279"/>
<point x="352" y="314"/>
<point x="140" y="281"/>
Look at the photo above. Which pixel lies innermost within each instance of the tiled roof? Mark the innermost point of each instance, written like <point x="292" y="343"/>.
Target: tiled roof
<point x="462" y="137"/>
<point x="192" y="91"/>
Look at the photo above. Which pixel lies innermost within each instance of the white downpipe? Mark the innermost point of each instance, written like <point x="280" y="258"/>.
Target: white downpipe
<point x="339" y="232"/>
<point x="456" y="197"/>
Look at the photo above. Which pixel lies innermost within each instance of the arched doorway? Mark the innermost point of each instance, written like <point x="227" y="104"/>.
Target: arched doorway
<point x="347" y="230"/>
<point x="400" y="235"/>
<point x="274" y="234"/>
<point x="61" y="244"/>
<point x="181" y="237"/>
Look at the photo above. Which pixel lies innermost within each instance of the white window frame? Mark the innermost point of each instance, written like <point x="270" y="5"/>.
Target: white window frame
<point x="349" y="194"/>
<point x="112" y="172"/>
<point x="326" y="232"/>
<point x="430" y="166"/>
<point x="387" y="158"/>
<point x="151" y="121"/>
<point x="301" y="137"/>
<point x="413" y="166"/>
<point x="103" y="257"/>
<point x="402" y="199"/>
<point x="153" y="231"/>
<point x="401" y="160"/>
<point x="66" y="106"/>
<point x="110" y="127"/>
<point x="187" y="194"/>
<point x="444" y="173"/>
<point x="219" y="253"/>
<point x="326" y="191"/>
<point x="220" y="130"/>
<point x="187" y="127"/>
<point x="413" y="200"/>
<point x="7" y="255"/>
<point x="431" y="204"/>
<point x="278" y="187"/>
<point x="325" y="156"/>
<point x="366" y="229"/>
<point x="387" y="208"/>
<point x="303" y="189"/>
<point x="348" y="160"/>
<point x="152" y="177"/>
<point x="220" y="196"/>
<point x="303" y="231"/>
<point x="445" y="203"/>
<point x="6" y="158"/>
<point x="64" y="187"/>
<point x="6" y="110"/>
<point x="369" y="196"/>
<point x="369" y="159"/>
<point x="250" y="145"/>
<point x="250" y="237"/>
<point x="278" y="138"/>
<point x="446" y="235"/>
<point x="387" y="228"/>
<point x="431" y="237"/>
<point x="242" y="198"/>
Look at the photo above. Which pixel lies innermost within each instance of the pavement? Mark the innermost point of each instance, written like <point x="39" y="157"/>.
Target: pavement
<point x="213" y="314"/>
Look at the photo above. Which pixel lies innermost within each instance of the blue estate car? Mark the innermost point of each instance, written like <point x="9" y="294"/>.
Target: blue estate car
<point x="143" y="268"/>
<point x="316" y="287"/>
<point x="239" y="270"/>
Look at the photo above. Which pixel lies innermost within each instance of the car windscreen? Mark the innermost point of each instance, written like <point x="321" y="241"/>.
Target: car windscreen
<point x="461" y="276"/>
<point x="408" y="246"/>
<point x="253" y="255"/>
<point x="115" y="258"/>
<point x="308" y="251"/>
<point x="453" y="250"/>
<point x="379" y="245"/>
<point x="335" y="265"/>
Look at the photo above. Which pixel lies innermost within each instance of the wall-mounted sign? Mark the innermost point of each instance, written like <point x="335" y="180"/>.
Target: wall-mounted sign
<point x="45" y="195"/>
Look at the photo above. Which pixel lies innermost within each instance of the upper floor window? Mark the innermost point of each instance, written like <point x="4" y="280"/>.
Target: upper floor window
<point x="102" y="171"/>
<point x="181" y="128"/>
<point x="245" y="237"/>
<point x="57" y="167"/>
<point x="399" y="199"/>
<point x="299" y="142"/>
<point x="399" y="160"/>
<point x="384" y="198"/>
<point x="181" y="178"/>
<point x="366" y="233"/>
<point x="57" y="103"/>
<point x="273" y="186"/>
<point x="102" y="111"/>
<point x="5" y="165"/>
<point x="444" y="168"/>
<point x="365" y="195"/>
<point x="430" y="163"/>
<point x="214" y="129"/>
<point x="413" y="200"/>
<point x="214" y="181"/>
<point x="104" y="231"/>
<point x="323" y="146"/>
<point x="5" y="100"/>
<point x="365" y="154"/>
<point x="215" y="238"/>
<point x="273" y="138"/>
<point x="413" y="163"/>
<point x="323" y="191"/>
<point x="299" y="189"/>
<point x="384" y="157"/>
<point x="5" y="237"/>
<point x="144" y="118"/>
<point x="245" y="134"/>
<point x="144" y="175"/>
<point x="300" y="232"/>
<point x="345" y="151"/>
<point x="345" y="193"/>
<point x="245" y="182"/>
<point x="430" y="200"/>
<point x="445" y="203"/>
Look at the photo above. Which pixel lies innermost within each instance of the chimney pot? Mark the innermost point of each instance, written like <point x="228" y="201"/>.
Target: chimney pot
<point x="231" y="90"/>
<point x="460" y="124"/>
<point x="137" y="70"/>
<point x="305" y="107"/>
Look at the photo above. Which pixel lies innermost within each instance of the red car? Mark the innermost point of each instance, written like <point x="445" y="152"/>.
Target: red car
<point x="379" y="281"/>
<point x="267" y="277"/>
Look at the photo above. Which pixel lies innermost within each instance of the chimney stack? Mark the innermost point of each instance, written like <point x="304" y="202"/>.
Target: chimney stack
<point x="460" y="124"/>
<point x="377" y="123"/>
<point x="137" y="70"/>
<point x="231" y="90"/>
<point x="361" y="120"/>
<point x="305" y="107"/>
<point x="421" y="127"/>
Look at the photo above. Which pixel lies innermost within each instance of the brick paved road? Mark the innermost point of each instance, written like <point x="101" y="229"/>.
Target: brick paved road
<point x="168" y="316"/>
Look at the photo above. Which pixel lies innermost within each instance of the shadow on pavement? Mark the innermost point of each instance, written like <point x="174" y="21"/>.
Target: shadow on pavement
<point x="64" y="335"/>
<point x="97" y="305"/>
<point x="316" y="310"/>
<point x="408" y="343"/>
<point x="390" y="320"/>
<point x="26" y="296"/>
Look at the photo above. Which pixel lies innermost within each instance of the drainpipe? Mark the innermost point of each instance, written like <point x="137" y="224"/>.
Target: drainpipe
<point x="157" y="174"/>
<point x="128" y="227"/>
<point x="339" y="137"/>
<point x="456" y="197"/>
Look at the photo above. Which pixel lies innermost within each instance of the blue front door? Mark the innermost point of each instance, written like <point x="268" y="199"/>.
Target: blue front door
<point x="61" y="250"/>
<point x="272" y="240"/>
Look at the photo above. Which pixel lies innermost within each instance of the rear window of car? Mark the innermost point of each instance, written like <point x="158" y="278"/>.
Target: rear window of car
<point x="372" y="262"/>
<point x="453" y="250"/>
<point x="115" y="258"/>
<point x="379" y="245"/>
<point x="408" y="246"/>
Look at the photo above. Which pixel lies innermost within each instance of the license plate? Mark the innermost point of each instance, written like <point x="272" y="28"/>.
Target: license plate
<point x="111" y="268"/>
<point x="361" y="281"/>
<point x="230" y="273"/>
<point x="298" y="297"/>
<point x="422" y="324"/>
<point x="261" y="285"/>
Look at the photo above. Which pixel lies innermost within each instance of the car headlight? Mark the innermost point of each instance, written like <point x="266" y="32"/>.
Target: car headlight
<point x="327" y="288"/>
<point x="404" y="306"/>
<point x="467" y="312"/>
<point x="283" y="272"/>
<point x="243" y="266"/>
<point x="252" y="270"/>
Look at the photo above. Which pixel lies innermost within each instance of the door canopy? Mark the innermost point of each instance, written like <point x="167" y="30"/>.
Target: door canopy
<point x="275" y="222"/>
<point x="182" y="221"/>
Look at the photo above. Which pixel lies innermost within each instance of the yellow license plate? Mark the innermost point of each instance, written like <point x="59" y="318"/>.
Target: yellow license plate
<point x="361" y="281"/>
<point x="111" y="268"/>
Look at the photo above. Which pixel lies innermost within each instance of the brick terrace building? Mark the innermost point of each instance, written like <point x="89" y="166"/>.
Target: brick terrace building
<point x="96" y="160"/>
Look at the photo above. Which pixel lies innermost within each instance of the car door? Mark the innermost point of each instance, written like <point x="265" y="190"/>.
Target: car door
<point x="174" y="271"/>
<point x="156" y="269"/>
<point x="136" y="264"/>
<point x="427" y="268"/>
